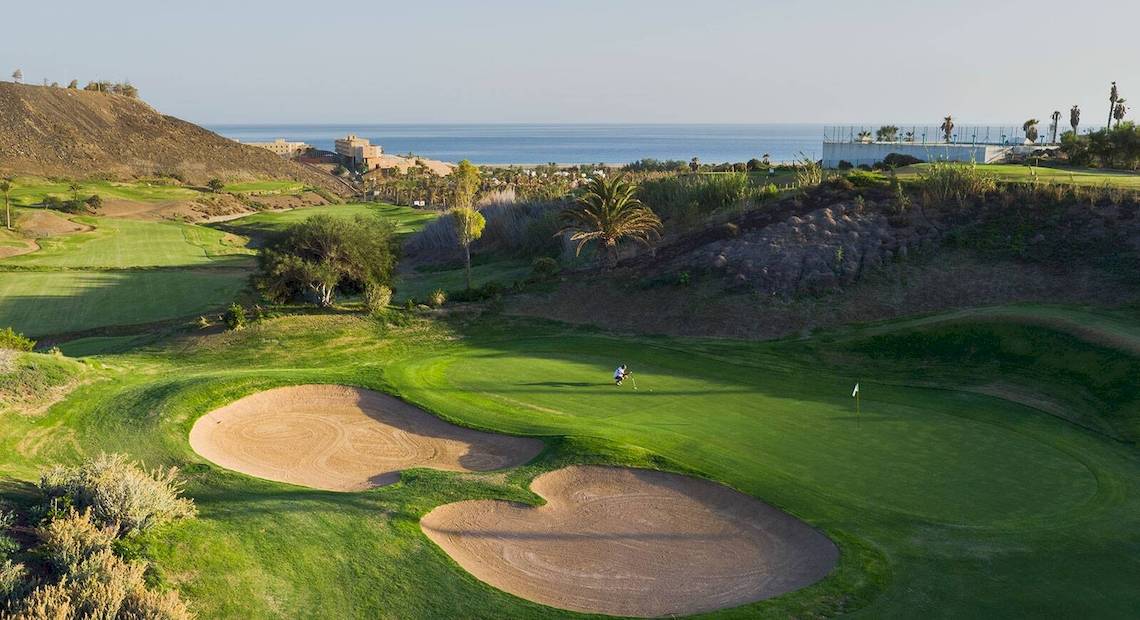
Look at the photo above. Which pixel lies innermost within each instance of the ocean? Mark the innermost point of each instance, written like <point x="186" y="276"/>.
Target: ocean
<point x="563" y="144"/>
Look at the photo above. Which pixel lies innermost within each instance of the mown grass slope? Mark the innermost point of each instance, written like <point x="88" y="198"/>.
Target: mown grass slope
<point x="945" y="502"/>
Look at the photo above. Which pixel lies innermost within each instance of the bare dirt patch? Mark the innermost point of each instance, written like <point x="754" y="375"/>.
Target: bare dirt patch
<point x="633" y="543"/>
<point x="341" y="438"/>
<point x="44" y="223"/>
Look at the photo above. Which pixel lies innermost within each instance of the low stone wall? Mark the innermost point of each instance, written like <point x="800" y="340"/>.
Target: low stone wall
<point x="870" y="153"/>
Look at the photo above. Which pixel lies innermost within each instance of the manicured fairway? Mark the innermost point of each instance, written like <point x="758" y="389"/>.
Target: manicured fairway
<point x="944" y="502"/>
<point x="406" y="219"/>
<point x="28" y="191"/>
<point x="40" y="303"/>
<point x="1067" y="176"/>
<point x="265" y="187"/>
<point x="119" y="243"/>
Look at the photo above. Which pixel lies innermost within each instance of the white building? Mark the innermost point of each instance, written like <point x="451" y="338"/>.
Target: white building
<point x="870" y="153"/>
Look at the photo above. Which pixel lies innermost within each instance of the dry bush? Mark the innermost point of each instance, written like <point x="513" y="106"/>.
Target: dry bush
<point x="51" y="602"/>
<point x="13" y="580"/>
<point x="119" y="492"/>
<point x="73" y="538"/>
<point x="377" y="297"/>
<point x="952" y="184"/>
<point x="102" y="587"/>
<point x="437" y="297"/>
<point x="152" y="605"/>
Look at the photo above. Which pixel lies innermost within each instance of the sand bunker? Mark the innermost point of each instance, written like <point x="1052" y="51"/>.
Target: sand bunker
<point x="344" y="439"/>
<point x="633" y="543"/>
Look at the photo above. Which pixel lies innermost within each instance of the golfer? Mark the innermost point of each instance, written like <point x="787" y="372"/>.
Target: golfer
<point x="620" y="374"/>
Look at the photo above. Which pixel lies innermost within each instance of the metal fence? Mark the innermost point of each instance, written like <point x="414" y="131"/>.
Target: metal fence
<point x="931" y="134"/>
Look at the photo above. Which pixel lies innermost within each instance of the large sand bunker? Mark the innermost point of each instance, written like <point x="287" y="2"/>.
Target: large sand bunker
<point x="633" y="543"/>
<point x="344" y="439"/>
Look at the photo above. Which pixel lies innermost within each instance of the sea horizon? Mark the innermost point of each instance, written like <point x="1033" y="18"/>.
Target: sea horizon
<point x="582" y="143"/>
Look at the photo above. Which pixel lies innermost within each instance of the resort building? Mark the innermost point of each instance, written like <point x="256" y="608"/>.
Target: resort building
<point x="281" y="147"/>
<point x="359" y="151"/>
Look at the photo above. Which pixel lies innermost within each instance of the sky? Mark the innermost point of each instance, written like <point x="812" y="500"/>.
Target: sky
<point x="589" y="61"/>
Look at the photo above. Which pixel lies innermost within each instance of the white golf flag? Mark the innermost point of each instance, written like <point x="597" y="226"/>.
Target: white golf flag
<point x="855" y="391"/>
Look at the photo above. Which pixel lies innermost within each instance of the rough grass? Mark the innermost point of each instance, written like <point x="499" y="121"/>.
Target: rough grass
<point x="944" y="502"/>
<point x="31" y="381"/>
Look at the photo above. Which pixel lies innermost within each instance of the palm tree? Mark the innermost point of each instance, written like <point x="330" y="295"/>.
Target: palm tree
<point x="947" y="127"/>
<point x="865" y="136"/>
<point x="608" y="212"/>
<point x="695" y="164"/>
<point x="1030" y="129"/>
<point x="1075" y="118"/>
<point x="1120" y="110"/>
<point x="1056" y="124"/>
<point x="887" y="133"/>
<point x="5" y="188"/>
<point x="1113" y="95"/>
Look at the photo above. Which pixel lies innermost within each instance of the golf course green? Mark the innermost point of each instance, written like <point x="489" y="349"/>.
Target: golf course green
<point x="992" y="455"/>
<point x="944" y="502"/>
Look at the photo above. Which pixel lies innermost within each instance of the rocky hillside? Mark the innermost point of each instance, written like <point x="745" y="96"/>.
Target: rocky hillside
<point x="57" y="132"/>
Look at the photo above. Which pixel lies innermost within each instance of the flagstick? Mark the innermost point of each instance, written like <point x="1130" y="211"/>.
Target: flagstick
<point x="858" y="414"/>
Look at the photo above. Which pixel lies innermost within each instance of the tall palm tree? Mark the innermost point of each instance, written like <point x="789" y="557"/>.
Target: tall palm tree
<point x="5" y="188"/>
<point x="1113" y="96"/>
<point x="608" y="212"/>
<point x="1075" y="118"/>
<point x="1056" y="124"/>
<point x="1120" y="110"/>
<point x="947" y="127"/>
<point x="1030" y="129"/>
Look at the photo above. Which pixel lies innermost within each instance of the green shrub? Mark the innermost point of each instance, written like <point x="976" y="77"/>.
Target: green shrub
<point x="235" y="316"/>
<point x="377" y="297"/>
<point x="544" y="268"/>
<point x="866" y="180"/>
<point x="9" y="339"/>
<point x="73" y="538"/>
<point x="119" y="492"/>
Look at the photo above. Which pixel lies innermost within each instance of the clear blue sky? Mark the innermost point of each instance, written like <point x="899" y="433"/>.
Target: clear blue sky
<point x="589" y="61"/>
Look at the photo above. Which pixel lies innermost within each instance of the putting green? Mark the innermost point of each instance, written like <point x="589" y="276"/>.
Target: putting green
<point x="943" y="456"/>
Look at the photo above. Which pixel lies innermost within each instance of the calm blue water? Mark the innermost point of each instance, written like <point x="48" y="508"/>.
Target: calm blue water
<point x="564" y="144"/>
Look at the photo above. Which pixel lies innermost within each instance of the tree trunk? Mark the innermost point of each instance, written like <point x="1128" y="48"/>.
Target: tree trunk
<point x="610" y="254"/>
<point x="467" y="254"/>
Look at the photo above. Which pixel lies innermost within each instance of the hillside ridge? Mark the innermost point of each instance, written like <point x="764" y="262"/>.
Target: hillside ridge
<point x="58" y="132"/>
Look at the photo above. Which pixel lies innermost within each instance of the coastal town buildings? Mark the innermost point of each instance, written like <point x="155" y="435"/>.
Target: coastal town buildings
<point x="281" y="147"/>
<point x="359" y="151"/>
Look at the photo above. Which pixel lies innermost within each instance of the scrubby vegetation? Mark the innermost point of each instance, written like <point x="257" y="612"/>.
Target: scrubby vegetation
<point x="86" y="512"/>
<point x="119" y="493"/>
<point x="1118" y="147"/>
<point x="9" y="339"/>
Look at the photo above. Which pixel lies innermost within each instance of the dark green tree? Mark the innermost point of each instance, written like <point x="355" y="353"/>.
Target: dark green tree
<point x="323" y="255"/>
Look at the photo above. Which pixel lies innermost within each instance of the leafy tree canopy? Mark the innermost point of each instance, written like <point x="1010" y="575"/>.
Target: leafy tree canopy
<point x="325" y="255"/>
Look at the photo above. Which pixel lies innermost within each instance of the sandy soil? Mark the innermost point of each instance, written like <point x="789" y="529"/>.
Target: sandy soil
<point x="633" y="543"/>
<point x="44" y="223"/>
<point x="344" y="439"/>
